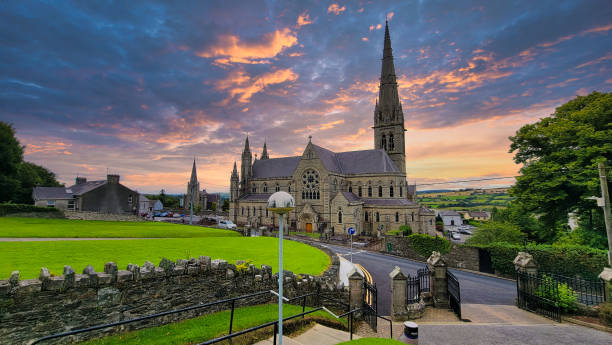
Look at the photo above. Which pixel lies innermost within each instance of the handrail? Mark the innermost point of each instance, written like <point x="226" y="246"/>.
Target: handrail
<point x="390" y="325"/>
<point x="148" y="317"/>
<point x="277" y="295"/>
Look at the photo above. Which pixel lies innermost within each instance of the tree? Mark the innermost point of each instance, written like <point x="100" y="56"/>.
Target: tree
<point x="492" y="232"/>
<point x="226" y="205"/>
<point x="30" y="176"/>
<point x="559" y="154"/>
<point x="213" y="206"/>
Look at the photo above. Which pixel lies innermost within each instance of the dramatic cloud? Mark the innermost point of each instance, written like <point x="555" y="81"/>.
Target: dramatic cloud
<point x="141" y="89"/>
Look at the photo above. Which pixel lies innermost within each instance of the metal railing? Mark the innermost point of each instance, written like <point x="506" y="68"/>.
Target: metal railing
<point x="454" y="293"/>
<point x="537" y="294"/>
<point x="231" y="301"/>
<point x="423" y="275"/>
<point x="588" y="292"/>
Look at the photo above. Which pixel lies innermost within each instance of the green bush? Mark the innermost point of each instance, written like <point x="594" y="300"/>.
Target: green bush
<point x="605" y="313"/>
<point x="566" y="298"/>
<point x="9" y="208"/>
<point x="406" y="230"/>
<point x="425" y="244"/>
<point x="565" y="260"/>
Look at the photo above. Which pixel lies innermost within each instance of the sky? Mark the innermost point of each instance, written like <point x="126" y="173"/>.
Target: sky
<point x="141" y="88"/>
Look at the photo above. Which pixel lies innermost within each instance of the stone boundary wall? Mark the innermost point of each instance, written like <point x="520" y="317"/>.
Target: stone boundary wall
<point x="33" y="308"/>
<point x="87" y="215"/>
<point x="459" y="256"/>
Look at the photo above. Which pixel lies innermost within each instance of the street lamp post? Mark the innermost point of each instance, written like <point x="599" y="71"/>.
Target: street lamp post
<point x="280" y="203"/>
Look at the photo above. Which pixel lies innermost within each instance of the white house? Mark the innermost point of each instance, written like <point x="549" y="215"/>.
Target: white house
<point x="146" y="204"/>
<point x="450" y="218"/>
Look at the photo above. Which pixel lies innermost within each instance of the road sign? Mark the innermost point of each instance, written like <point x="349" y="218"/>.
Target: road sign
<point x="351" y="231"/>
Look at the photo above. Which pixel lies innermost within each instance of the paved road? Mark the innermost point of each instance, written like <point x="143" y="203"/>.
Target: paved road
<point x="475" y="288"/>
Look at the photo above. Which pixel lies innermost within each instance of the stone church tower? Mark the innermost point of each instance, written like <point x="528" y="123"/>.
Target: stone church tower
<point x="193" y="186"/>
<point x="388" y="115"/>
<point x="246" y="168"/>
<point x="234" y="185"/>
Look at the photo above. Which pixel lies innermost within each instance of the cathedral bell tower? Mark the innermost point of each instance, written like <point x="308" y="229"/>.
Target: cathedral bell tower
<point x="388" y="115"/>
<point x="234" y="185"/>
<point x="246" y="168"/>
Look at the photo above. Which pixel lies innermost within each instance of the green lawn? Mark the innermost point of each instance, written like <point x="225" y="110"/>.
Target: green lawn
<point x="37" y="227"/>
<point x="206" y="327"/>
<point x="372" y="341"/>
<point x="29" y="257"/>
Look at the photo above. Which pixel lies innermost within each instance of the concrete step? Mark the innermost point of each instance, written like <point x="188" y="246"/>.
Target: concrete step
<point x="317" y="335"/>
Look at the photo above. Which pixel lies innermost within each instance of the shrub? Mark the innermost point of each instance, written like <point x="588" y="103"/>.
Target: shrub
<point x="566" y="298"/>
<point x="9" y="208"/>
<point x="406" y="230"/>
<point x="605" y="313"/>
<point x="425" y="244"/>
<point x="565" y="260"/>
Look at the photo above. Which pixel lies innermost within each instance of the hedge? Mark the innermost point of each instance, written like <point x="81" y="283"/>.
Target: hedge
<point x="8" y="208"/>
<point x="570" y="261"/>
<point x="425" y="244"/>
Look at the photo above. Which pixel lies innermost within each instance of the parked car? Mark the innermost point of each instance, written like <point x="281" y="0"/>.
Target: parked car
<point x="466" y="231"/>
<point x="455" y="236"/>
<point x="226" y="224"/>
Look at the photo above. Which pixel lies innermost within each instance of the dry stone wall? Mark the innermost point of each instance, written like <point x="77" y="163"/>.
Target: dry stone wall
<point x="33" y="308"/>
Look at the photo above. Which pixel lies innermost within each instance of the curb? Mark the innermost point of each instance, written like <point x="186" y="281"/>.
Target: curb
<point x="587" y="324"/>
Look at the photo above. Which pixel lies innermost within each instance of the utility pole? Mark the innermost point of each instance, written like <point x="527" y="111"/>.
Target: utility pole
<point x="606" y="207"/>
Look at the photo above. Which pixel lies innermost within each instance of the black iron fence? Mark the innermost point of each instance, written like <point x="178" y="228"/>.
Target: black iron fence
<point x="538" y="294"/>
<point x="454" y="293"/>
<point x="370" y="304"/>
<point x="423" y="275"/>
<point x="587" y="292"/>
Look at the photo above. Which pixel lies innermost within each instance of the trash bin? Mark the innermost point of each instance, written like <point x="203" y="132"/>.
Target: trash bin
<point x="410" y="334"/>
<point x="389" y="247"/>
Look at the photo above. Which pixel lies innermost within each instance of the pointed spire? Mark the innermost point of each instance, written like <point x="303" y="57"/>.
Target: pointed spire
<point x="388" y="96"/>
<point x="246" y="144"/>
<point x="194" y="175"/>
<point x="235" y="171"/>
<point x="264" y="153"/>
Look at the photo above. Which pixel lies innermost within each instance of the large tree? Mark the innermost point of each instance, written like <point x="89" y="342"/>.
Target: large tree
<point x="17" y="178"/>
<point x="559" y="154"/>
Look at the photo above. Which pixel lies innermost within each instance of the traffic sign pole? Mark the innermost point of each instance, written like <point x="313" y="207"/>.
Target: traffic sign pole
<point x="351" y="232"/>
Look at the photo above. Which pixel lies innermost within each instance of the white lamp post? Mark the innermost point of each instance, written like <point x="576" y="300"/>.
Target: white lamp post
<point x="280" y="203"/>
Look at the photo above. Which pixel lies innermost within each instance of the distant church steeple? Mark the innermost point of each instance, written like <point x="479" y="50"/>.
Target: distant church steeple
<point x="388" y="114"/>
<point x="246" y="167"/>
<point x="264" y="153"/>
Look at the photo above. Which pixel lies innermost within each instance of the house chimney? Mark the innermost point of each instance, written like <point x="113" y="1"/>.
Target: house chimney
<point x="112" y="179"/>
<point x="80" y="180"/>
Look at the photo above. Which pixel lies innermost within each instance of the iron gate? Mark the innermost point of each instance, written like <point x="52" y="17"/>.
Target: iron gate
<point x="538" y="295"/>
<point x="370" y="304"/>
<point x="423" y="275"/>
<point x="454" y="293"/>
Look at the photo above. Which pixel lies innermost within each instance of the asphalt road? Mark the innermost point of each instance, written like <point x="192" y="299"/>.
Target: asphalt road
<point x="475" y="288"/>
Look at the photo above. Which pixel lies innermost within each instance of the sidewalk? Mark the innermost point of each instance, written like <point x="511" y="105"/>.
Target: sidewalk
<point x="317" y="335"/>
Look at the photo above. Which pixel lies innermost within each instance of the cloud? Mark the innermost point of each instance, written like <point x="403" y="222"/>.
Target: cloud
<point x="390" y="15"/>
<point x="336" y="9"/>
<point x="231" y="49"/>
<point x="303" y="19"/>
<point x="240" y="85"/>
<point x="365" y="39"/>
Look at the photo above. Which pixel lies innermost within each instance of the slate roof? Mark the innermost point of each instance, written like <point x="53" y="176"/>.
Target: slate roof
<point x="424" y="210"/>
<point x="389" y="202"/>
<point x="351" y="197"/>
<point x="43" y="193"/>
<point x="256" y="197"/>
<point x="356" y="162"/>
<point x="449" y="214"/>
<point x="275" y="167"/>
<point x="478" y="214"/>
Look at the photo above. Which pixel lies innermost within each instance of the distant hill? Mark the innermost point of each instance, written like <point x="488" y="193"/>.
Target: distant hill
<point x="467" y="199"/>
<point x="434" y="191"/>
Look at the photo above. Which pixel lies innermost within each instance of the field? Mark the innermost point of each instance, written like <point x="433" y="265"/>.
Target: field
<point x="29" y="256"/>
<point x="465" y="202"/>
<point x="206" y="327"/>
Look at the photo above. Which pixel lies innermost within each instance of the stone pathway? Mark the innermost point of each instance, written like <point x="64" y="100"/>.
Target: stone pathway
<point x="317" y="335"/>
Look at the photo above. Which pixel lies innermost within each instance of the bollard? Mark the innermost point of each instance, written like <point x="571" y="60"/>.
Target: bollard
<point x="410" y="334"/>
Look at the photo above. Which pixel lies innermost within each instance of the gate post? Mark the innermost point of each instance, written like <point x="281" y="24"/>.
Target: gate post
<point x="438" y="281"/>
<point x="398" y="292"/>
<point x="606" y="276"/>
<point x="524" y="263"/>
<point x="355" y="290"/>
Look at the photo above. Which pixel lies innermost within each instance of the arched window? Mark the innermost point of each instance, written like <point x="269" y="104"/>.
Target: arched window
<point x="242" y="211"/>
<point x="265" y="187"/>
<point x="350" y="189"/>
<point x="248" y="212"/>
<point x="370" y="191"/>
<point x="396" y="217"/>
<point x="391" y="192"/>
<point x="380" y="191"/>
<point x="430" y="222"/>
<point x="359" y="191"/>
<point x="412" y="217"/>
<point x="289" y="188"/>
<point x="366" y="216"/>
<point x="254" y="188"/>
<point x="310" y="182"/>
<point x="401" y="192"/>
<point x="340" y="217"/>
<point x="267" y="212"/>
<point x="391" y="143"/>
<point x="377" y="217"/>
<point x="254" y="214"/>
<point x="383" y="142"/>
<point x="260" y="211"/>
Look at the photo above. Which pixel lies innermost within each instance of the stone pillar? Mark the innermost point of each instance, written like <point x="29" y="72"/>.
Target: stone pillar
<point x="355" y="290"/>
<point x="438" y="281"/>
<point x="398" y="292"/>
<point x="606" y="276"/>
<point x="524" y="263"/>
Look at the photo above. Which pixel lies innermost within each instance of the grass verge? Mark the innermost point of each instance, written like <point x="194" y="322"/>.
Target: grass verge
<point x="29" y="257"/>
<point x="372" y="341"/>
<point x="208" y="327"/>
<point x="63" y="228"/>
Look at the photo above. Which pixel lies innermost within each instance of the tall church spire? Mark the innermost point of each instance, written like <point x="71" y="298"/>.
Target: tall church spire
<point x="194" y="175"/>
<point x="388" y="114"/>
<point x="264" y="153"/>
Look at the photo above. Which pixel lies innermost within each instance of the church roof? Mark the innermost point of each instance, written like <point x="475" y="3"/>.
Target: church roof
<point x="256" y="197"/>
<point x="388" y="202"/>
<point x="275" y="167"/>
<point x="356" y="162"/>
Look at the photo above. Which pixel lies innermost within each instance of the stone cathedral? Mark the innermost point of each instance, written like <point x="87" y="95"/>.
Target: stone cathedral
<point x="333" y="191"/>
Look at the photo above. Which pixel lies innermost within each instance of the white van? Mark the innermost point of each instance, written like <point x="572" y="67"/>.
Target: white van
<point x="226" y="224"/>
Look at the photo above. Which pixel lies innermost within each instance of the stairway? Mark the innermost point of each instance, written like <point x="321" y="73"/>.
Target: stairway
<point x="317" y="335"/>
